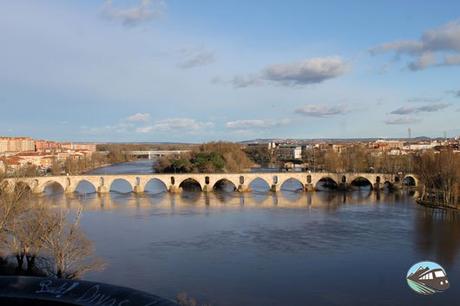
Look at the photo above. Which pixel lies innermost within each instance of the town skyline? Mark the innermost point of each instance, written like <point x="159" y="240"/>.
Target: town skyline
<point x="105" y="71"/>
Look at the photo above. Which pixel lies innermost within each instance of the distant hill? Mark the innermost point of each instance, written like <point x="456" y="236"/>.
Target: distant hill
<point x="336" y="140"/>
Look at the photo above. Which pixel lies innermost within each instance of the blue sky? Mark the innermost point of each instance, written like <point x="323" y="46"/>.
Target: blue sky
<point x="173" y="70"/>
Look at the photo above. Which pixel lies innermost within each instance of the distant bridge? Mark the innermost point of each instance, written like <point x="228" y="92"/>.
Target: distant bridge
<point x="208" y="181"/>
<point x="154" y="153"/>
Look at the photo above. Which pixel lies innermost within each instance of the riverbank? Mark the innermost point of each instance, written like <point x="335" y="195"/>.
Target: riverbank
<point x="438" y="206"/>
<point x="8" y="268"/>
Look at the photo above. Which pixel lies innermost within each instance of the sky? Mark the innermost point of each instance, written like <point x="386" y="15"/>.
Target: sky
<point x="205" y="70"/>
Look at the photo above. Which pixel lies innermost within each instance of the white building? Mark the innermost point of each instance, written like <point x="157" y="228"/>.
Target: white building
<point x="289" y="152"/>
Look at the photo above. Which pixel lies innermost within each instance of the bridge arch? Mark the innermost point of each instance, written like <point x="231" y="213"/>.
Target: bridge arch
<point x="409" y="181"/>
<point x="326" y="183"/>
<point x="296" y="184"/>
<point x="23" y="186"/>
<point x="121" y="185"/>
<point x="55" y="186"/>
<point x="84" y="186"/>
<point x="156" y="185"/>
<point x="220" y="185"/>
<point x="258" y="183"/>
<point x="190" y="184"/>
<point x="5" y="185"/>
<point x="388" y="185"/>
<point x="361" y="181"/>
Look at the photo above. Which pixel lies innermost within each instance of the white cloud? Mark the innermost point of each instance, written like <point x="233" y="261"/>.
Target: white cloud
<point x="401" y="120"/>
<point x="423" y="61"/>
<point x="308" y="71"/>
<point x="139" y="117"/>
<point x="400" y="47"/>
<point x="451" y="60"/>
<point x="146" y="10"/>
<point x="255" y="124"/>
<point x="186" y="125"/>
<point x="196" y="58"/>
<point x="424" y="99"/>
<point x="246" y="81"/>
<point x="119" y="128"/>
<point x="317" y="110"/>
<point x="404" y="110"/>
<point x="443" y="41"/>
<point x="455" y="93"/>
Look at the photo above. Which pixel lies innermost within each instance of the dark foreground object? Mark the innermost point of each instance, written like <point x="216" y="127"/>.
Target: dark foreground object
<point x="44" y="291"/>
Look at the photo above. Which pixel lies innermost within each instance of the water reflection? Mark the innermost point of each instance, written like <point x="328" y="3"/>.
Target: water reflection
<point x="253" y="199"/>
<point x="265" y="248"/>
<point x="437" y="235"/>
<point x="184" y="237"/>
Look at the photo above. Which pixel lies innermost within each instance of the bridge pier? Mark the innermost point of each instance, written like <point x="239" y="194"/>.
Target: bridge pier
<point x="174" y="189"/>
<point x="207" y="188"/>
<point x="38" y="190"/>
<point x="69" y="190"/>
<point x="309" y="187"/>
<point x="243" y="188"/>
<point x="275" y="188"/>
<point x="138" y="189"/>
<point x="102" y="189"/>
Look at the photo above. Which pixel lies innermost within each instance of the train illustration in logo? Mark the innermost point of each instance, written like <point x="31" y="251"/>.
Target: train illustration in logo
<point x="427" y="277"/>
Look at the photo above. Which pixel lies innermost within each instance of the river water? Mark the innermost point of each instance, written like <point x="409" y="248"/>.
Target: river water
<point x="260" y="248"/>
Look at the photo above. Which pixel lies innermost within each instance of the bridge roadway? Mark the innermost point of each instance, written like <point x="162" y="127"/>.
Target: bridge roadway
<point x="207" y="181"/>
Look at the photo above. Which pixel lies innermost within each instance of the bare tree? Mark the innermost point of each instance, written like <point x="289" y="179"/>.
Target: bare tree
<point x="70" y="252"/>
<point x="56" y="167"/>
<point x="440" y="175"/>
<point x="13" y="203"/>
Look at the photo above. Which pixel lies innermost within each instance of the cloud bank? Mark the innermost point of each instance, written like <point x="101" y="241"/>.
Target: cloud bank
<point x="316" y="110"/>
<point x="305" y="72"/>
<point x="436" y="47"/>
<point x="196" y="58"/>
<point x="139" y="117"/>
<point x="401" y="120"/>
<point x="145" y="11"/>
<point x="187" y="125"/>
<point x="405" y="110"/>
<point x="255" y="123"/>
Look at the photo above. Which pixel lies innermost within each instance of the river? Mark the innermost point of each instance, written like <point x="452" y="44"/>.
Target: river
<point x="261" y="248"/>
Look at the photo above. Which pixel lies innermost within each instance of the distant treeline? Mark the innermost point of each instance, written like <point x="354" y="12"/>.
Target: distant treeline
<point x="206" y="158"/>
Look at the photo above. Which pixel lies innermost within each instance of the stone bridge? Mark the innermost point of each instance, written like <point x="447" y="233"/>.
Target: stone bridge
<point x="207" y="182"/>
